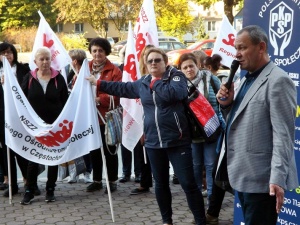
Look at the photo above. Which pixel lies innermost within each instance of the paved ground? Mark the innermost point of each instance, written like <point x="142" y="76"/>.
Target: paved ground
<point x="75" y="206"/>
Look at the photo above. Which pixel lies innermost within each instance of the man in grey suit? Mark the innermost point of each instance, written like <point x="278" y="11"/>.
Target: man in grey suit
<point x="259" y="137"/>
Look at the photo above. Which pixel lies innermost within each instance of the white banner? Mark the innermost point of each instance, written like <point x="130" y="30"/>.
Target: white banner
<point x="74" y="133"/>
<point x="145" y="29"/>
<point x="132" y="108"/>
<point x="145" y="32"/>
<point x="47" y="38"/>
<point x="131" y="73"/>
<point x="224" y="45"/>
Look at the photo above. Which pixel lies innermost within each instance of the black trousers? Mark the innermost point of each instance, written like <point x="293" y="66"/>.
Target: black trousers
<point x="217" y="196"/>
<point x="127" y="161"/>
<point x="32" y="175"/>
<point x="258" y="208"/>
<point x="111" y="161"/>
<point x="22" y="162"/>
<point x="146" y="173"/>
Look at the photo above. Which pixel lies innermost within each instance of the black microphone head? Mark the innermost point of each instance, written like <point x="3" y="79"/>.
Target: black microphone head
<point x="235" y="65"/>
<point x="233" y="68"/>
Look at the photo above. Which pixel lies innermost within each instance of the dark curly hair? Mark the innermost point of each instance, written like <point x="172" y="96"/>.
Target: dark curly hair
<point x="101" y="42"/>
<point x="213" y="61"/>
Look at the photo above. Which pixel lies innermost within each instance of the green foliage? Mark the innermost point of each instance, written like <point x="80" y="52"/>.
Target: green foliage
<point x="206" y="3"/>
<point x="23" y="13"/>
<point x="123" y="11"/>
<point x="26" y="36"/>
<point x="228" y="6"/>
<point x="173" y="17"/>
<point x="71" y="41"/>
<point x="97" y="12"/>
<point x="23" y="36"/>
<point x="200" y="28"/>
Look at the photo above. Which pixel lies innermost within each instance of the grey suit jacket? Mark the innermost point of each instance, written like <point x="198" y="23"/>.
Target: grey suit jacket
<point x="260" y="140"/>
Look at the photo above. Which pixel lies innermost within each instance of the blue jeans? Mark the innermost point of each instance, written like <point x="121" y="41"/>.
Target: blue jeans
<point x="204" y="155"/>
<point x="181" y="160"/>
<point x="258" y="208"/>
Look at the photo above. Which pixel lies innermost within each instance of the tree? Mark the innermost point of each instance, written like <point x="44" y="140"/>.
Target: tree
<point x="123" y="11"/>
<point x="173" y="17"/>
<point x="23" y="13"/>
<point x="97" y="12"/>
<point x="228" y="6"/>
<point x="198" y="23"/>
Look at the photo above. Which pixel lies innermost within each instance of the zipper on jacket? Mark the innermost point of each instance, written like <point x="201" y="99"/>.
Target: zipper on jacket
<point x="156" y="121"/>
<point x="178" y="124"/>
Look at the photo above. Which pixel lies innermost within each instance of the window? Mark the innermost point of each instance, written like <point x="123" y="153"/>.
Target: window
<point x="211" y="25"/>
<point x="78" y="27"/>
<point x="209" y="45"/>
<point x="59" y="27"/>
<point x="165" y="45"/>
<point x="178" y="45"/>
<point x="125" y="27"/>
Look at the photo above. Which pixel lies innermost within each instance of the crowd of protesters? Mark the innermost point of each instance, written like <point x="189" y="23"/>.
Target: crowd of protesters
<point x="167" y="136"/>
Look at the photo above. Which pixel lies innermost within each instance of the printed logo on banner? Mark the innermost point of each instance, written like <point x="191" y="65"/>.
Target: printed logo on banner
<point x="281" y="26"/>
<point x="57" y="137"/>
<point x="62" y="135"/>
<point x="230" y="40"/>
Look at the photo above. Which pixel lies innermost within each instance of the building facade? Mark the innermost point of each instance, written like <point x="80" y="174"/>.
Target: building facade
<point x="212" y="18"/>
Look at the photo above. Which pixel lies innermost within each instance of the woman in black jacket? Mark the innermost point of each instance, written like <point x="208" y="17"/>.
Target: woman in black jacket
<point x="9" y="51"/>
<point x="47" y="92"/>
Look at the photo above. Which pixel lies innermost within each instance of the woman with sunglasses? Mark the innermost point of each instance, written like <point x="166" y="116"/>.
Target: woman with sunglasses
<point x="167" y="136"/>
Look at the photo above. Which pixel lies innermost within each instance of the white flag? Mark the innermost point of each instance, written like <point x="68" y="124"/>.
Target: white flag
<point x="145" y="29"/>
<point x="131" y="131"/>
<point x="46" y="37"/>
<point x="70" y="136"/>
<point x="224" y="45"/>
<point x="145" y="32"/>
<point x="131" y="73"/>
<point x="132" y="108"/>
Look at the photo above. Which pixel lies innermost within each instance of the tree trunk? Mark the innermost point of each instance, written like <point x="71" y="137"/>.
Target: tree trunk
<point x="228" y="5"/>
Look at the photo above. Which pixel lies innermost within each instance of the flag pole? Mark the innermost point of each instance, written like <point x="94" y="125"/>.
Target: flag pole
<point x="107" y="184"/>
<point x="106" y="177"/>
<point x="145" y="158"/>
<point x="9" y="175"/>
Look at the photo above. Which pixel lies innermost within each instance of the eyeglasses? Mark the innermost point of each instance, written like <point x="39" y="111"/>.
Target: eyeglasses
<point x="150" y="61"/>
<point x="8" y="52"/>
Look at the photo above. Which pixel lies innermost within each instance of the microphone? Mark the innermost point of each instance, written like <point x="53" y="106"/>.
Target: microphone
<point x="233" y="68"/>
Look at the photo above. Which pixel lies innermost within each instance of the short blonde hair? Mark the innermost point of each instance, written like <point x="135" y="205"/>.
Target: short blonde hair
<point x="159" y="51"/>
<point x="143" y="67"/>
<point x="42" y="50"/>
<point x="77" y="54"/>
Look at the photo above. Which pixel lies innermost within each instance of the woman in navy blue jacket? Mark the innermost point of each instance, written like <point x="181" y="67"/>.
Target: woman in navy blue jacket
<point x="167" y="136"/>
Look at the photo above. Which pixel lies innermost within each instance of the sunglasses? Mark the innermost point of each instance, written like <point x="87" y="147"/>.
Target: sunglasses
<point x="158" y="60"/>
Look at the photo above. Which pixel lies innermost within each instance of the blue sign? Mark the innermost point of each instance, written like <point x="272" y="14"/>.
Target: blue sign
<point x="280" y="19"/>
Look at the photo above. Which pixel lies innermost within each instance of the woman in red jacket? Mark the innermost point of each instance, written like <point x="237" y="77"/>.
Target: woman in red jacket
<point x="103" y="69"/>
